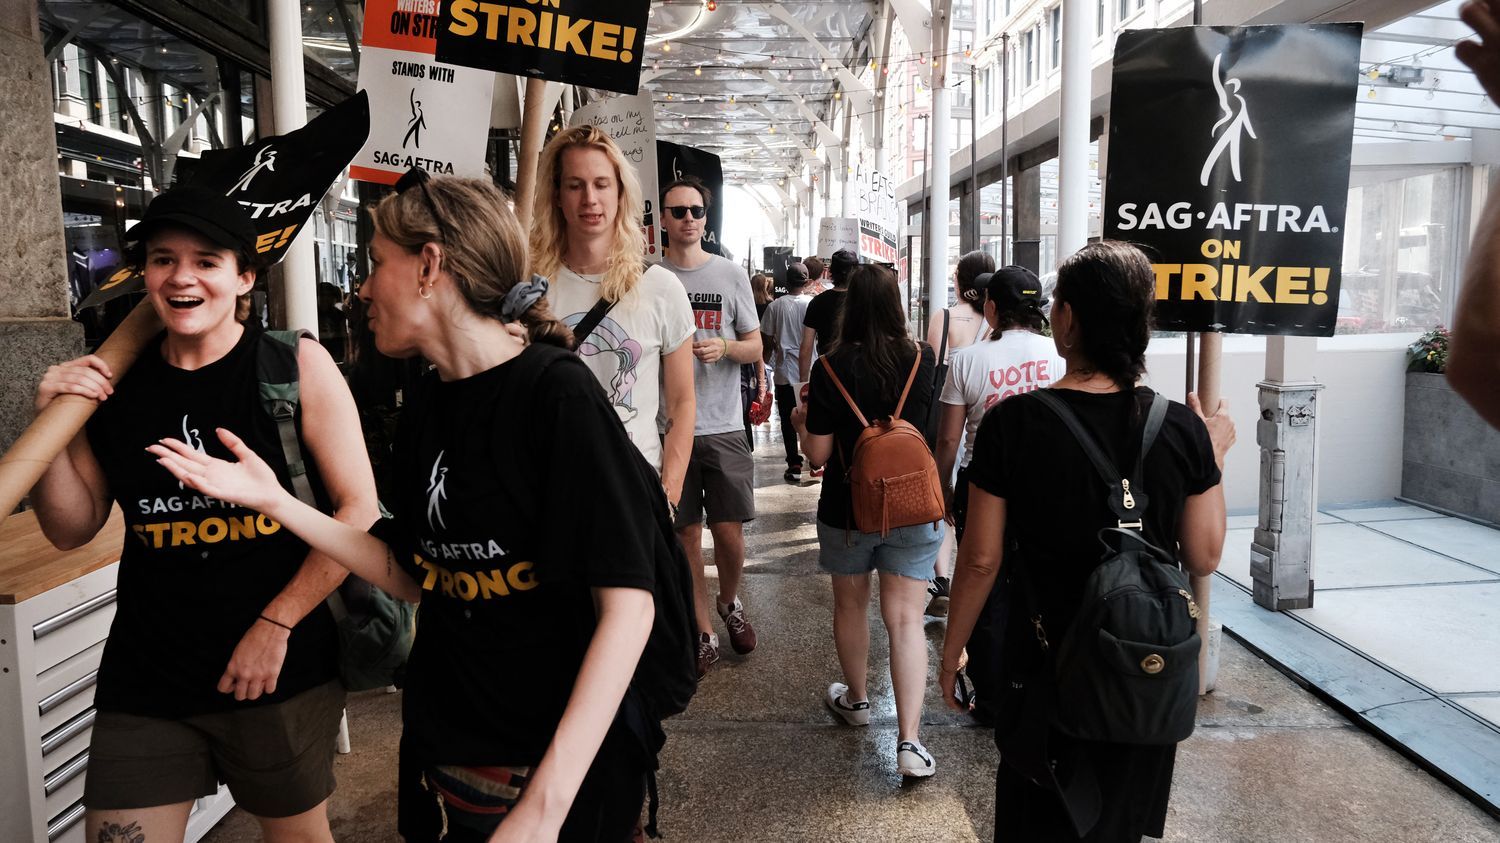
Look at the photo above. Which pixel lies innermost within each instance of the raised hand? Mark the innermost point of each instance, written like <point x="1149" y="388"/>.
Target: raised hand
<point x="248" y="482"/>
<point x="1220" y="426"/>
<point x="1482" y="57"/>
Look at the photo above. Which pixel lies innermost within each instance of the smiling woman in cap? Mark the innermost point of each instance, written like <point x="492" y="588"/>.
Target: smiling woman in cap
<point x="221" y="662"/>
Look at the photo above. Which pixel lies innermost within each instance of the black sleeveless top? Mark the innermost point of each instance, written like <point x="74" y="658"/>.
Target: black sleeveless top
<point x="196" y="572"/>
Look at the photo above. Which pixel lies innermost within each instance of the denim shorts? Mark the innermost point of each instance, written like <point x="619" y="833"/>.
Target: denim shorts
<point x="905" y="551"/>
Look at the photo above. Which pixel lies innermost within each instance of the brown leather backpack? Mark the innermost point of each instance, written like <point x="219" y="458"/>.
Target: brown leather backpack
<point x="893" y="480"/>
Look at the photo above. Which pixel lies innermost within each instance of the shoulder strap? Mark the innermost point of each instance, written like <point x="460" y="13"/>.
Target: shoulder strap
<point x="591" y="320"/>
<point x="943" y="350"/>
<point x="280" y="393"/>
<point x="1112" y="476"/>
<point x="1096" y="455"/>
<point x="915" y="365"/>
<point x="863" y="422"/>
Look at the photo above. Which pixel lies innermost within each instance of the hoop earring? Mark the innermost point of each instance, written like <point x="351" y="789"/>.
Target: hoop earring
<point x="424" y="292"/>
<point x="1068" y="346"/>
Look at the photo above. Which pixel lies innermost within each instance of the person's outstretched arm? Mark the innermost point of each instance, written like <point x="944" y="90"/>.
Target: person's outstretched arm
<point x="1474" y="354"/>
<point x="251" y="483"/>
<point x="625" y="617"/>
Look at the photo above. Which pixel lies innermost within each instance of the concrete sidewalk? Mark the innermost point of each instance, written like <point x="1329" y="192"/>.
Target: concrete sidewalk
<point x="757" y="758"/>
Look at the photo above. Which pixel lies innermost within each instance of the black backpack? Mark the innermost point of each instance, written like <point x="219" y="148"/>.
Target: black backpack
<point x="375" y="630"/>
<point x="1126" y="670"/>
<point x="667" y="675"/>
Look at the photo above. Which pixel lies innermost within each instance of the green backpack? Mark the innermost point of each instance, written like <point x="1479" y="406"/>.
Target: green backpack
<point x="375" y="629"/>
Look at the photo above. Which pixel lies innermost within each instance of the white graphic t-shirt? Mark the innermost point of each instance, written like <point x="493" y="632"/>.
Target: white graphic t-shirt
<point x="625" y="351"/>
<point x="989" y="371"/>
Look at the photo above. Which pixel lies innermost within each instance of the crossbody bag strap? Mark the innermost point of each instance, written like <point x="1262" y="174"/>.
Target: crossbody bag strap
<point x="943" y="347"/>
<point x="1154" y="419"/>
<point x="910" y="379"/>
<point x="591" y="320"/>
<point x="863" y="422"/>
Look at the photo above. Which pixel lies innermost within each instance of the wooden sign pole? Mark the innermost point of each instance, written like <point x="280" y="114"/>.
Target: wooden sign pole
<point x="534" y="113"/>
<point x="52" y="430"/>
<point x="1210" y="352"/>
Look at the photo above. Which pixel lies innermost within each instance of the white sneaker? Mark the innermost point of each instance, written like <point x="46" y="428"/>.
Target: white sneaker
<point x="913" y="760"/>
<point x="852" y="713"/>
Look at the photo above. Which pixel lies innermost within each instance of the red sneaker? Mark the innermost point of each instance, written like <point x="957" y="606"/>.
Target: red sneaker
<point x="741" y="633"/>
<point x="708" y="654"/>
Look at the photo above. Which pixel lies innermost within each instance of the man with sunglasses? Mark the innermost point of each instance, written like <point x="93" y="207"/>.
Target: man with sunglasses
<point x="719" y="486"/>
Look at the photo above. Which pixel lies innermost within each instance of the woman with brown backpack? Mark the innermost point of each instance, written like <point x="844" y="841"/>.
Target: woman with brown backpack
<point x="875" y="372"/>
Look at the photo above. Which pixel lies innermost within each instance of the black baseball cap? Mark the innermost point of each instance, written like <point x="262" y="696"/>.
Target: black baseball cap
<point x="844" y="260"/>
<point x="207" y="212"/>
<point x="796" y="274"/>
<point x="1011" y="286"/>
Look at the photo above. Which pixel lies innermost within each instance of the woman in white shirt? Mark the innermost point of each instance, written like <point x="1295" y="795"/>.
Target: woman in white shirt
<point x="1015" y="358"/>
<point x="586" y="237"/>
<point x="948" y="330"/>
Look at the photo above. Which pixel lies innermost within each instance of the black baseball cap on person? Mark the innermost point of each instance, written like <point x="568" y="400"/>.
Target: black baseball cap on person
<point x="844" y="260"/>
<point x="796" y="274"/>
<point x="207" y="212"/>
<point x="1011" y="286"/>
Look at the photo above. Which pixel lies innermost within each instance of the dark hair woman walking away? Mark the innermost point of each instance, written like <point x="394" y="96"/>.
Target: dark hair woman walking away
<point x="1037" y="503"/>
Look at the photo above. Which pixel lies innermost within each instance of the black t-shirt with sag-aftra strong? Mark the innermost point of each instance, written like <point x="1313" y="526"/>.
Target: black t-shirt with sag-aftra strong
<point x="514" y="491"/>
<point x="196" y="572"/>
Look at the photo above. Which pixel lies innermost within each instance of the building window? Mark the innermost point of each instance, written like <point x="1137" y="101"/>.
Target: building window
<point x="1400" y="263"/>
<point x="1055" y="21"/>
<point x="1125" y="9"/>
<point x="88" y="87"/>
<point x="1029" y="48"/>
<point x="1099" y="19"/>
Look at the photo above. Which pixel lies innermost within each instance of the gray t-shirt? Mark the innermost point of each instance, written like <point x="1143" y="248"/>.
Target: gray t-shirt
<point x="723" y="306"/>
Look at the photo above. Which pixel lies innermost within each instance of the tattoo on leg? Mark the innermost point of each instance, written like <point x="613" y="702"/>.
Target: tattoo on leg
<point x="116" y="833"/>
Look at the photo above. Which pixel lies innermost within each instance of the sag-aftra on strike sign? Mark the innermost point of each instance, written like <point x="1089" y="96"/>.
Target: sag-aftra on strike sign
<point x="1229" y="153"/>
<point x="597" y="43"/>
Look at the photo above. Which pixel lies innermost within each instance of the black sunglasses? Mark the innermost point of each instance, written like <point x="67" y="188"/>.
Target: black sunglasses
<point x="680" y="211"/>
<point x="419" y="177"/>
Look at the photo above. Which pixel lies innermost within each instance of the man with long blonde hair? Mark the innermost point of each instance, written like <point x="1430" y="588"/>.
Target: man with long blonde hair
<point x="586" y="238"/>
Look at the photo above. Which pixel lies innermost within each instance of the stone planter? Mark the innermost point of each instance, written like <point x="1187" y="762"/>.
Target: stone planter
<point x="1450" y="458"/>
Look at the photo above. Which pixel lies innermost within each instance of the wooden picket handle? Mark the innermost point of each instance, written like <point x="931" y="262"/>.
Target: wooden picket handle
<point x="52" y="430"/>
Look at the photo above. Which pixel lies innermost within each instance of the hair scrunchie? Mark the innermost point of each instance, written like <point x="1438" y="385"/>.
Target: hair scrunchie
<point x="521" y="297"/>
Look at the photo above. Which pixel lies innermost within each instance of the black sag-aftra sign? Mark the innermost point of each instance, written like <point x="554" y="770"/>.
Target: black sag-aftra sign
<point x="1228" y="158"/>
<point x="278" y="180"/>
<point x="596" y="43"/>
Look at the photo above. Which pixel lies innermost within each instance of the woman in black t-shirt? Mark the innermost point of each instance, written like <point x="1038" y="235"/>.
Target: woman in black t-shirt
<point x="873" y="358"/>
<point x="531" y="628"/>
<point x="1033" y="491"/>
<point x="220" y="635"/>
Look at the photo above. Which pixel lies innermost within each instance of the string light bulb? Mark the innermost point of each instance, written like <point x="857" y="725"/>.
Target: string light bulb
<point x="711" y="5"/>
<point x="698" y="71"/>
<point x="666" y="46"/>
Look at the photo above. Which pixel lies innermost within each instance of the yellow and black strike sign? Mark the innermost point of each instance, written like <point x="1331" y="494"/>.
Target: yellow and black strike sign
<point x="1233" y="173"/>
<point x="598" y="43"/>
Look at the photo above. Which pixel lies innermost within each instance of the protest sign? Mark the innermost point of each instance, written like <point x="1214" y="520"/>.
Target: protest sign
<point x="629" y="123"/>
<point x="424" y="113"/>
<point x="279" y="181"/>
<point x="1233" y="174"/>
<point x="595" y="43"/>
<point x="835" y="233"/>
<point x="674" y="161"/>
<point x="878" y="216"/>
<point x="775" y="259"/>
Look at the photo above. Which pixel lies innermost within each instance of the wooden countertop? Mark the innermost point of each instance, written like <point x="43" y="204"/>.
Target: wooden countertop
<point x="30" y="565"/>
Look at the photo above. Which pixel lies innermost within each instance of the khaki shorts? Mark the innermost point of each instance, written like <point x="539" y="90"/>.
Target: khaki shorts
<point x="277" y="759"/>
<point x="720" y="481"/>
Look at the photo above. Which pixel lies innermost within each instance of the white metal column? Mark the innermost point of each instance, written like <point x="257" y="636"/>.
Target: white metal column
<point x="1073" y="131"/>
<point x="289" y="111"/>
<point x="942" y="150"/>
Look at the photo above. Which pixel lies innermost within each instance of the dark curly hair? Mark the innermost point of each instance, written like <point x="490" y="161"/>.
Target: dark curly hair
<point x="971" y="266"/>
<point x="1111" y="289"/>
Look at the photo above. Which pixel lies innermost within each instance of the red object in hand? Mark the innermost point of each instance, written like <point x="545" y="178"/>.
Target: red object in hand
<point x="760" y="410"/>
